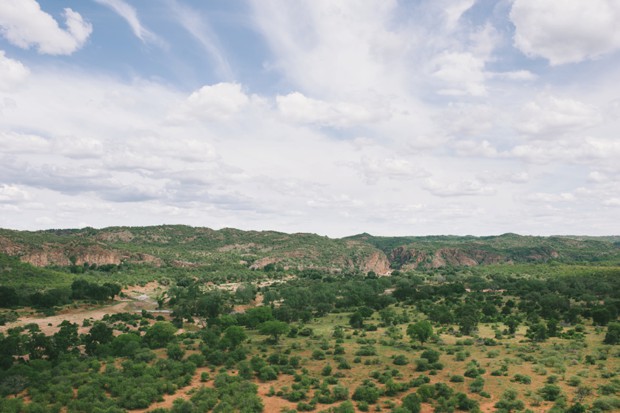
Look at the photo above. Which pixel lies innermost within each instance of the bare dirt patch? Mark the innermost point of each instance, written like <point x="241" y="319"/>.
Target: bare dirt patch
<point x="138" y="298"/>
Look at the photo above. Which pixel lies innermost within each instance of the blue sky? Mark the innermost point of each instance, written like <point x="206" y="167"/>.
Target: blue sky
<point x="391" y="117"/>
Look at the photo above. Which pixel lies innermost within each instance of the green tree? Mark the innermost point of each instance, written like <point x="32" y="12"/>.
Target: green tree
<point x="233" y="337"/>
<point x="174" y="351"/>
<point x="421" y="331"/>
<point x="537" y="332"/>
<point x="8" y="297"/>
<point x="411" y="403"/>
<point x="274" y="329"/>
<point x="613" y="334"/>
<point x="512" y="323"/>
<point x="160" y="334"/>
<point x="99" y="333"/>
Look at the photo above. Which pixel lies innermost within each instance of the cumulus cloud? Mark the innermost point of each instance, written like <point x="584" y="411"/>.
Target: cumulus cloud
<point x="473" y="148"/>
<point x="568" y="31"/>
<point x="24" y="24"/>
<point x="333" y="48"/>
<point x="130" y="15"/>
<point x="214" y="102"/>
<point x="299" y="108"/>
<point x="461" y="72"/>
<point x="12" y="73"/>
<point x="422" y="99"/>
<point x="550" y="116"/>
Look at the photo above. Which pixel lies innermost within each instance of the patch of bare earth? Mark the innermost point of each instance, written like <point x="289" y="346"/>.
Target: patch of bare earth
<point x="138" y="299"/>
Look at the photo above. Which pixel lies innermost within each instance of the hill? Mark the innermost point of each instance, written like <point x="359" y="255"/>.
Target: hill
<point x="189" y="247"/>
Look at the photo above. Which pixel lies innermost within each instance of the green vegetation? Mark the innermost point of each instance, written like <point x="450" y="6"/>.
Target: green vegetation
<point x="238" y="322"/>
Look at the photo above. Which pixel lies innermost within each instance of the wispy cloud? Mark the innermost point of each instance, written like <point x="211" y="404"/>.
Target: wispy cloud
<point x="197" y="26"/>
<point x="130" y="15"/>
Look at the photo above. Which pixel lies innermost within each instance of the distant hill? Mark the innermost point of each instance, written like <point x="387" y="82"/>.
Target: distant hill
<point x="185" y="246"/>
<point x="441" y="251"/>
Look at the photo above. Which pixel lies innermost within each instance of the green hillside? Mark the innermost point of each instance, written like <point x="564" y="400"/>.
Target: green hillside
<point x="188" y="247"/>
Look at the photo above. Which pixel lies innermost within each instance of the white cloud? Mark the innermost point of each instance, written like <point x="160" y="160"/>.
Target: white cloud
<point x="24" y="24"/>
<point x="12" y="73"/>
<point x="550" y="116"/>
<point x="374" y="169"/>
<point x="368" y="75"/>
<point x="597" y="177"/>
<point x="130" y="15"/>
<point x="612" y="202"/>
<point x="542" y="197"/>
<point x="517" y="75"/>
<point x="473" y="148"/>
<point x="334" y="48"/>
<point x="471" y="187"/>
<point x="16" y="143"/>
<point x="462" y="73"/>
<point x="215" y="102"/>
<point x="567" y="31"/>
<point x="598" y="152"/>
<point x="461" y="119"/>
<point x="299" y="108"/>
<point x="453" y="11"/>
<point x="78" y="147"/>
<point x="11" y="194"/>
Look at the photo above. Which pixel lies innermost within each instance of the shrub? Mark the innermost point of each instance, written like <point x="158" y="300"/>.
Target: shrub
<point x="476" y="385"/>
<point x="267" y="373"/>
<point x="400" y="360"/>
<point x="366" y="393"/>
<point x="411" y="403"/>
<point x="607" y="403"/>
<point x="523" y="379"/>
<point x="431" y="355"/>
<point x="340" y="392"/>
<point x="550" y="392"/>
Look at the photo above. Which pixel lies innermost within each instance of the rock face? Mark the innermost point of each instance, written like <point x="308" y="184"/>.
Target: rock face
<point x="9" y="247"/>
<point x="46" y="257"/>
<point x="263" y="262"/>
<point x="412" y="258"/>
<point x="376" y="262"/>
<point x="65" y="257"/>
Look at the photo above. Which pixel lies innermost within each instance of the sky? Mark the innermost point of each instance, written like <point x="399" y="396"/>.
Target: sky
<point x="392" y="117"/>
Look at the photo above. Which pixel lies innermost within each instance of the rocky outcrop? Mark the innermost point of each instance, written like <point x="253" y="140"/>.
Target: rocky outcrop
<point x="9" y="247"/>
<point x="408" y="258"/>
<point x="377" y="262"/>
<point x="99" y="256"/>
<point x="46" y="257"/>
<point x="63" y="257"/>
<point x="147" y="259"/>
<point x="116" y="236"/>
<point x="263" y="262"/>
